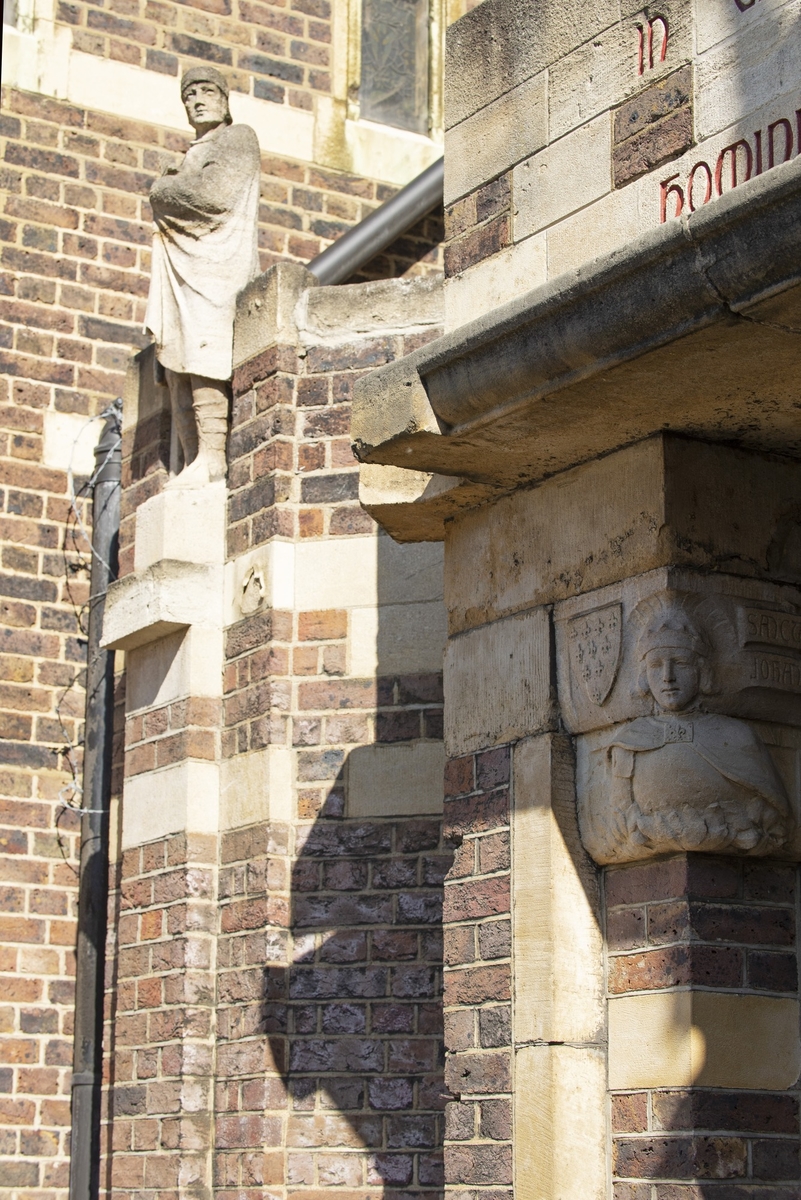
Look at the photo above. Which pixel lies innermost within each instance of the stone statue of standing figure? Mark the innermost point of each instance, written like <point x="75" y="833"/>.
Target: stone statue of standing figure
<point x="205" y="250"/>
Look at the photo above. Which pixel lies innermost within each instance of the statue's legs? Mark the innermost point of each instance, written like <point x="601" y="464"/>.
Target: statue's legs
<point x="200" y="415"/>
<point x="183" y="417"/>
<point x="210" y="402"/>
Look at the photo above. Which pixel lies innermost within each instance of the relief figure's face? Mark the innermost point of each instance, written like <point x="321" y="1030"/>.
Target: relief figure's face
<point x="206" y="106"/>
<point x="673" y="677"/>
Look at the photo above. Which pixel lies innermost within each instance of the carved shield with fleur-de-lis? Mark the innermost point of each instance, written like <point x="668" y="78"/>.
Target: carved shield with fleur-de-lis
<point x="595" y="640"/>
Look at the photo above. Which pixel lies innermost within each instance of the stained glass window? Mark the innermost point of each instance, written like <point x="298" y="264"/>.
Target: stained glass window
<point x="394" y="78"/>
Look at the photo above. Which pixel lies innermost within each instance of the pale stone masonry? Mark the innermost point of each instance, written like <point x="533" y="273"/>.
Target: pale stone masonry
<point x="619" y="449"/>
<point x="574" y="127"/>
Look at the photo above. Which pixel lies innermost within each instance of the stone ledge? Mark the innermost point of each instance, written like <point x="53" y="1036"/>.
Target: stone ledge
<point x="690" y="328"/>
<point x="166" y="597"/>
<point x="413" y="506"/>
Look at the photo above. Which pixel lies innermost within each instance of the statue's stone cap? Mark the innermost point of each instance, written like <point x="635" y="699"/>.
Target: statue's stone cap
<point x="204" y="74"/>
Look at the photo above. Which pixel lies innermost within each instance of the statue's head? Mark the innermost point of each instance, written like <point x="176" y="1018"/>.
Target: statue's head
<point x="674" y="659"/>
<point x="204" y="91"/>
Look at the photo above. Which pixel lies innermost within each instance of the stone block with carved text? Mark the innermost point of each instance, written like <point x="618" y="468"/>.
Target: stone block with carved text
<point x="691" y="101"/>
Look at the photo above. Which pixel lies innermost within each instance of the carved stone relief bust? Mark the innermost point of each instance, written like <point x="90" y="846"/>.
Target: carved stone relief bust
<point x="682" y="777"/>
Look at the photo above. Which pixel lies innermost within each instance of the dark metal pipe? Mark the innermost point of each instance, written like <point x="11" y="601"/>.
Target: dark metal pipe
<point x="93" y="888"/>
<point x="379" y="230"/>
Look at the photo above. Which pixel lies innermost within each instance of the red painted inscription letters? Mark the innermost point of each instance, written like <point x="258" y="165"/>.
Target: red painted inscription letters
<point x="735" y="164"/>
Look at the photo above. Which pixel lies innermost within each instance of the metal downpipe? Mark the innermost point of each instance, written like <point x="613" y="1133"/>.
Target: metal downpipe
<point x="93" y="887"/>
<point x="379" y="230"/>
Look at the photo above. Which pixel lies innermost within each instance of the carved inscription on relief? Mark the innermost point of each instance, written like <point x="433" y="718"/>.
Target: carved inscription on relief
<point x="735" y="164"/>
<point x="681" y="778"/>
<point x="768" y="628"/>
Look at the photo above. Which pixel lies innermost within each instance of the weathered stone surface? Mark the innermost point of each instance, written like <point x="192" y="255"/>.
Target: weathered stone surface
<point x="389" y="781"/>
<point x="213" y="194"/>
<point x="413" y="506"/>
<point x="489" y="284"/>
<point x="495" y="138"/>
<point x="365" y="569"/>
<point x="719" y="21"/>
<point x="681" y="778"/>
<point x="265" y="309"/>
<point x="504" y="669"/>
<point x="749" y="630"/>
<point x="397" y="639"/>
<point x="185" y="663"/>
<point x="748" y="71"/>
<point x="605" y="70"/>
<point x="256" y="787"/>
<point x="556" y="1154"/>
<point x="558" y="945"/>
<point x="205" y="249"/>
<point x="183" y="797"/>
<point x="381" y="306"/>
<point x="166" y="597"/>
<point x="186" y="525"/>
<point x="560" y="340"/>
<point x="665" y="501"/>
<point x="567" y="175"/>
<point x="492" y="50"/>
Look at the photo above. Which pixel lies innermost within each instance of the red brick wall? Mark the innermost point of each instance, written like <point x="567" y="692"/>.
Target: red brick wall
<point x="159" y="1040"/>
<point x="277" y="52"/>
<point x="41" y="709"/>
<point x="74" y="256"/>
<point x="291" y="418"/>
<point x="330" y="1016"/>
<point x="722" y="924"/>
<point x="325" y="1009"/>
<point x="477" y="991"/>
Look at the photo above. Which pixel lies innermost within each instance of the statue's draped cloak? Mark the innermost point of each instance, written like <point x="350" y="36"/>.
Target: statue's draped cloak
<point x="205" y="250"/>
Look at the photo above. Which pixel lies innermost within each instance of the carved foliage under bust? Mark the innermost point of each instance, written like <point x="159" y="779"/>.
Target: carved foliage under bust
<point x="682" y="778"/>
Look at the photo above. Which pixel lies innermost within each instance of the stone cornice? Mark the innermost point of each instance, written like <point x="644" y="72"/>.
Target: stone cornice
<point x="695" y="327"/>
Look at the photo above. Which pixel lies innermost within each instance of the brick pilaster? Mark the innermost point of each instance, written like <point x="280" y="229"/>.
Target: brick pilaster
<point x="722" y="925"/>
<point x="162" y="1039"/>
<point x="477" y="984"/>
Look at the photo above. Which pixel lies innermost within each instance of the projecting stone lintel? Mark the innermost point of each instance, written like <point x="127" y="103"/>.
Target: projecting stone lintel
<point x="693" y="328"/>
<point x="166" y="597"/>
<point x="413" y="506"/>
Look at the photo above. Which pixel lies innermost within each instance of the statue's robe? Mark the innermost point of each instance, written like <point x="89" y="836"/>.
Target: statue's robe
<point x="697" y="780"/>
<point x="205" y="250"/>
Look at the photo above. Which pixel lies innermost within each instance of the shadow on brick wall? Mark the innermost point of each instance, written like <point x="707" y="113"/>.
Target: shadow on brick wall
<point x="331" y="949"/>
<point x="355" y="1021"/>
